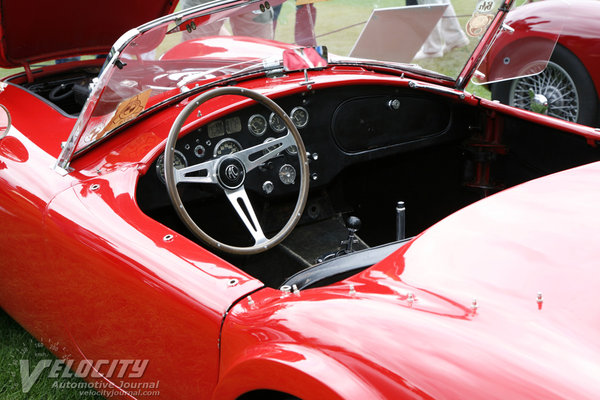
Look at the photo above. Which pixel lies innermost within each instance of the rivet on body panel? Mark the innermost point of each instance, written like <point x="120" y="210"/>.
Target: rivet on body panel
<point x="474" y="305"/>
<point x="168" y="238"/>
<point x="410" y="298"/>
<point x="295" y="290"/>
<point x="233" y="282"/>
<point x="94" y="187"/>
<point x="286" y="288"/>
<point x="352" y="291"/>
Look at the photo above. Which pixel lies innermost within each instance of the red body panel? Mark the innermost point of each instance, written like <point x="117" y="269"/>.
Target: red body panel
<point x="114" y="270"/>
<point x="501" y="251"/>
<point x="30" y="37"/>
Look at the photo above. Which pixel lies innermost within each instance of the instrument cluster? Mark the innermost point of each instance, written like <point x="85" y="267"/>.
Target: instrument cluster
<point x="237" y="132"/>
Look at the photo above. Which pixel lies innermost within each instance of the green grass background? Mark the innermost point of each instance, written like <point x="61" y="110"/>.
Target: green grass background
<point x="17" y="344"/>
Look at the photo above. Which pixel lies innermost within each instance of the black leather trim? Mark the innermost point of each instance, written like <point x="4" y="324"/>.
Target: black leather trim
<point x="342" y="266"/>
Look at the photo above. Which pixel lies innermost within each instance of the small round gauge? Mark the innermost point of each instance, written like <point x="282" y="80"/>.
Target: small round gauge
<point x="299" y="116"/>
<point x="287" y="174"/>
<point x="227" y="146"/>
<point x="276" y="123"/>
<point x="257" y="124"/>
<point x="179" y="161"/>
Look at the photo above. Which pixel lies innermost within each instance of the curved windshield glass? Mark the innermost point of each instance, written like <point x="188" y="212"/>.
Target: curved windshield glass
<point x="209" y="43"/>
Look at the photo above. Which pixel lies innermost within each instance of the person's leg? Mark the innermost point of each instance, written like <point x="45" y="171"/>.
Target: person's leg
<point x="276" y="11"/>
<point x="253" y="25"/>
<point x="434" y="44"/>
<point x="452" y="31"/>
<point x="304" y="32"/>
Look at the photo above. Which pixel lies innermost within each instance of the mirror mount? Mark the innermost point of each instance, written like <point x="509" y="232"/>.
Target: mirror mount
<point x="305" y="59"/>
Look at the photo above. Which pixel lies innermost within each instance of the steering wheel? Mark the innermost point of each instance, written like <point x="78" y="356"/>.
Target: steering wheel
<point x="229" y="173"/>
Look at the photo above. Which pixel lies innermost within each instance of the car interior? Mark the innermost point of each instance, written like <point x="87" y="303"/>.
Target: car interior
<point x="369" y="147"/>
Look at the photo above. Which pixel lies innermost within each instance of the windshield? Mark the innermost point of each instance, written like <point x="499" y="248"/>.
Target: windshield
<point x="217" y="41"/>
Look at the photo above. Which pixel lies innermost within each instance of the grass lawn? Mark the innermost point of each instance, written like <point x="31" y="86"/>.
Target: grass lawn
<point x="16" y="345"/>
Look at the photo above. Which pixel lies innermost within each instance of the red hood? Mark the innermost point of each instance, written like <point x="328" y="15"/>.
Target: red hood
<point x="42" y="30"/>
<point x="539" y="237"/>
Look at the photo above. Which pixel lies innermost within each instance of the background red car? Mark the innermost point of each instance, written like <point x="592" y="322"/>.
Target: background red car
<point x="571" y="82"/>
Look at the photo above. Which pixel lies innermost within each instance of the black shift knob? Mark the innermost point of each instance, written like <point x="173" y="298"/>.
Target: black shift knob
<point x="353" y="223"/>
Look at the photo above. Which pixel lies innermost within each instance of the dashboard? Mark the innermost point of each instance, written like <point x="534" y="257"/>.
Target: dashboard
<point x="340" y="127"/>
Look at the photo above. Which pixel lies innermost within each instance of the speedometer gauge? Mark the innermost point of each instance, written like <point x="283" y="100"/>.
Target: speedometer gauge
<point x="257" y="124"/>
<point x="179" y="161"/>
<point x="299" y="116"/>
<point x="276" y="123"/>
<point x="227" y="146"/>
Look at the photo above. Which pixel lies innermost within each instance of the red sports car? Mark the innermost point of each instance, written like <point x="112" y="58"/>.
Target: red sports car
<point x="252" y="199"/>
<point x="568" y="87"/>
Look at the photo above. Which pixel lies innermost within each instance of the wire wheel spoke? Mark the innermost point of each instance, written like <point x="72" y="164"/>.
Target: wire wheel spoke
<point x="555" y="84"/>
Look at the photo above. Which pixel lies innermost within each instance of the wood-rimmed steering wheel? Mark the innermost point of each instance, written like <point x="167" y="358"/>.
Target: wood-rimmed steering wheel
<point x="229" y="173"/>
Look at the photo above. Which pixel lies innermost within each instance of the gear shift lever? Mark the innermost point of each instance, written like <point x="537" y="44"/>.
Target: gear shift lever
<point x="353" y="225"/>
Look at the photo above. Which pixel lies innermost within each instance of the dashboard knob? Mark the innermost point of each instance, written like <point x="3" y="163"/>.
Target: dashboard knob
<point x="394" y="104"/>
<point x="268" y="187"/>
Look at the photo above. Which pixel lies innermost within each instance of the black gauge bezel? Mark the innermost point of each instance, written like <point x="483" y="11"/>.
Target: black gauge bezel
<point x="250" y="128"/>
<point x="271" y="123"/>
<point x="220" y="143"/>
<point x="300" y="108"/>
<point x="160" y="161"/>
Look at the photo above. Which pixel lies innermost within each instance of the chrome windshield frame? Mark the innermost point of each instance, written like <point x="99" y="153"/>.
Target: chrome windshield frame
<point x="72" y="147"/>
<point x="68" y="152"/>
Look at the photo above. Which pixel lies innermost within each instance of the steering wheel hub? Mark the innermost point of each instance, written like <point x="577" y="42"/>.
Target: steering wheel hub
<point x="231" y="173"/>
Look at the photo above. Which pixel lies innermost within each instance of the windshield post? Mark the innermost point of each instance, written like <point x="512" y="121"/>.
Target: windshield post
<point x="484" y="46"/>
<point x="69" y="147"/>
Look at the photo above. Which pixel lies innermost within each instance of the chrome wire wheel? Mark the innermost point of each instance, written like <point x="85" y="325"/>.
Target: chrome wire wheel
<point x="555" y="84"/>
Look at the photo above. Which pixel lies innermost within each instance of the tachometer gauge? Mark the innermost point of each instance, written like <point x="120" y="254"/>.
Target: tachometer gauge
<point x="299" y="117"/>
<point x="257" y="124"/>
<point x="227" y="146"/>
<point x="179" y="161"/>
<point x="276" y="123"/>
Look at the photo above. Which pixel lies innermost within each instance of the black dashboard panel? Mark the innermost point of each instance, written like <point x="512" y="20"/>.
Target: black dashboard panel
<point x="372" y="122"/>
<point x="340" y="127"/>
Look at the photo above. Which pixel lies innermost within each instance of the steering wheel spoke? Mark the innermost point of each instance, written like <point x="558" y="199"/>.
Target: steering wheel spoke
<point x="198" y="173"/>
<point x="268" y="150"/>
<point x="241" y="203"/>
